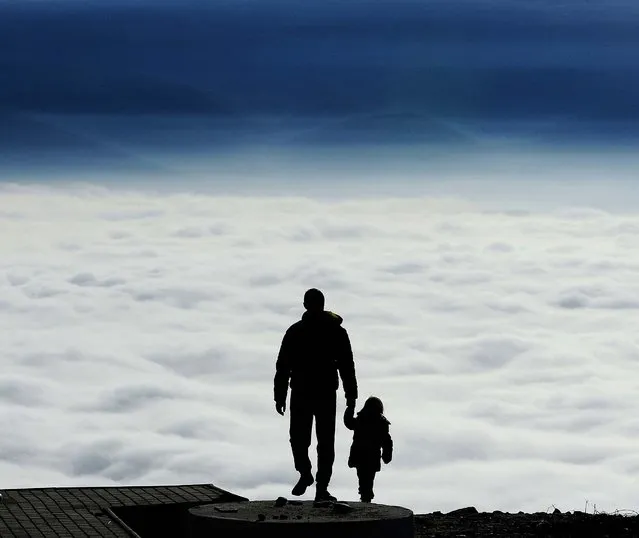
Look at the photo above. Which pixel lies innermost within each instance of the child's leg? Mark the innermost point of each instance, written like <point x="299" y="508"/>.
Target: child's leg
<point x="371" y="479"/>
<point x="366" y="478"/>
<point x="373" y="473"/>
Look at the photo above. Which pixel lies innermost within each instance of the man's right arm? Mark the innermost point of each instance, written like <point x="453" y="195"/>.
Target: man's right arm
<point x="283" y="370"/>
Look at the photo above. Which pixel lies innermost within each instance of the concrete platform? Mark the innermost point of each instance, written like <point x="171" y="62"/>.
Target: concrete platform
<point x="297" y="519"/>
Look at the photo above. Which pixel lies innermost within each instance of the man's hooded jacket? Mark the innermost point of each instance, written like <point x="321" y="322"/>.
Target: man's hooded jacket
<point x="313" y="351"/>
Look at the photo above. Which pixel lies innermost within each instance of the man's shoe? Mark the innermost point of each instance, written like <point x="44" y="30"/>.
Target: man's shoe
<point x="324" y="495"/>
<point x="304" y="481"/>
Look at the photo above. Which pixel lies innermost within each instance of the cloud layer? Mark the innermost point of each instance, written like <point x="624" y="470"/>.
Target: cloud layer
<point x="140" y="333"/>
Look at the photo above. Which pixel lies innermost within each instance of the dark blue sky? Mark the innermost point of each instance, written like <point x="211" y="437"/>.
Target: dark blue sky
<point x="501" y="58"/>
<point x="399" y="64"/>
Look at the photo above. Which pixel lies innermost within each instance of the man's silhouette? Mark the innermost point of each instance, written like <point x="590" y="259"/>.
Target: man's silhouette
<point x="312" y="353"/>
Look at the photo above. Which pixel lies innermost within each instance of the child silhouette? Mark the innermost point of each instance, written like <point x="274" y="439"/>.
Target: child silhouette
<point x="371" y="441"/>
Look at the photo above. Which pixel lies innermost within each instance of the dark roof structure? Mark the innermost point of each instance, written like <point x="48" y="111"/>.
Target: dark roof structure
<point x="104" y="512"/>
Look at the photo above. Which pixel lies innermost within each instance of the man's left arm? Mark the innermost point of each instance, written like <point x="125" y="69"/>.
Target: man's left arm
<point x="346" y="367"/>
<point x="387" y="445"/>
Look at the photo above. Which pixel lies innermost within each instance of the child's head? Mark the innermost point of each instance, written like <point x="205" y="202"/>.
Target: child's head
<point x="373" y="406"/>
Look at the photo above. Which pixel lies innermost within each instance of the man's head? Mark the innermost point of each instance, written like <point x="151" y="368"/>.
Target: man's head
<point x="314" y="300"/>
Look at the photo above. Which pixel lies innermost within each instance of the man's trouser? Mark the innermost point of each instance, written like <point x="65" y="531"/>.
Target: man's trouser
<point x="303" y="408"/>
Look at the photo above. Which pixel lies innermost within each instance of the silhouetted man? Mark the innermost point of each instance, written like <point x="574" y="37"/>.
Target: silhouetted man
<point x="312" y="353"/>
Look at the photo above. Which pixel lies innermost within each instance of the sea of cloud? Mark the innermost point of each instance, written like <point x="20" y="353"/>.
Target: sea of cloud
<point x="139" y="331"/>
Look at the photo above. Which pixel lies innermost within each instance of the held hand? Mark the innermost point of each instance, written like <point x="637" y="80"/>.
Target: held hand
<point x="280" y="408"/>
<point x="350" y="403"/>
<point x="349" y="413"/>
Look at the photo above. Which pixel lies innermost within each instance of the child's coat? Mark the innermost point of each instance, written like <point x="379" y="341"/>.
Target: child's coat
<point x="371" y="440"/>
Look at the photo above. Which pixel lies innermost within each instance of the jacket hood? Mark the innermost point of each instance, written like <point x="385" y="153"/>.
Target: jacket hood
<point x="324" y="315"/>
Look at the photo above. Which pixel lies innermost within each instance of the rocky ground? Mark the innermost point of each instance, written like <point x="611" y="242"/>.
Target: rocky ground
<point x="468" y="523"/>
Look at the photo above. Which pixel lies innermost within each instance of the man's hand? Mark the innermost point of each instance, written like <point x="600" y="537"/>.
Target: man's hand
<point x="280" y="408"/>
<point x="350" y="403"/>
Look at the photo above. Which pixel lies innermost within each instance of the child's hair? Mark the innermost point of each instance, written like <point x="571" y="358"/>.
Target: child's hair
<point x="373" y="406"/>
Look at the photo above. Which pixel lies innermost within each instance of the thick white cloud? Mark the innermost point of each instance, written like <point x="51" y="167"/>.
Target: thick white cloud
<point x="139" y="334"/>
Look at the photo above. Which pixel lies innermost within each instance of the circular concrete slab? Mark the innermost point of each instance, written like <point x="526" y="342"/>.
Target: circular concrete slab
<point x="254" y="519"/>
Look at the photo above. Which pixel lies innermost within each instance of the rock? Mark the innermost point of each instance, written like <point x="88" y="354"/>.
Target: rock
<point x="280" y="501"/>
<point x="543" y="527"/>
<point x="205" y="520"/>
<point x="226" y="510"/>
<point x="342" y="508"/>
<point x="557" y="512"/>
<point x="468" y="511"/>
